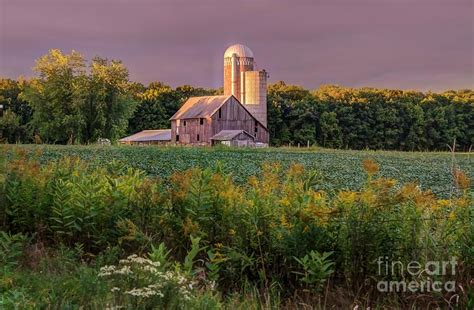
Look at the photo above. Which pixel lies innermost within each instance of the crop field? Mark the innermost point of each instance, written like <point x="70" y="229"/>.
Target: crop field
<point x="337" y="169"/>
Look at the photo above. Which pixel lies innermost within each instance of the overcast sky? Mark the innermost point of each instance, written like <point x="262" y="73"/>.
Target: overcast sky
<point x="411" y="44"/>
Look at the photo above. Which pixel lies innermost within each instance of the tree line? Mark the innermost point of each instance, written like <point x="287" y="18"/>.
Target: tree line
<point x="74" y="101"/>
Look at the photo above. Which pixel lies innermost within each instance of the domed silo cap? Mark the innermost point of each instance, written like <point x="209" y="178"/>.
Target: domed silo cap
<point x="239" y="49"/>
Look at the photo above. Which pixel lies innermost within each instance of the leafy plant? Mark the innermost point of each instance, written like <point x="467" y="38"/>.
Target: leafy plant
<point x="11" y="248"/>
<point x="317" y="267"/>
<point x="193" y="252"/>
<point x="160" y="254"/>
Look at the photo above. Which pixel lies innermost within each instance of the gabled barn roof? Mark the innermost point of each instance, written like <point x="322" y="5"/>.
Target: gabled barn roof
<point x="225" y="135"/>
<point x="205" y="106"/>
<point x="149" y="135"/>
<point x="200" y="107"/>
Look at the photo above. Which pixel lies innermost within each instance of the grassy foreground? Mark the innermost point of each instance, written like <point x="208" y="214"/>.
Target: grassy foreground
<point x="97" y="233"/>
<point x="339" y="169"/>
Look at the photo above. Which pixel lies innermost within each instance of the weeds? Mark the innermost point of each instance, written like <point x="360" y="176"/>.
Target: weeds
<point x="202" y="228"/>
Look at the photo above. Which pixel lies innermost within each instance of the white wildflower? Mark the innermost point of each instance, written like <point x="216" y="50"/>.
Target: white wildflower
<point x="150" y="269"/>
<point x="124" y="270"/>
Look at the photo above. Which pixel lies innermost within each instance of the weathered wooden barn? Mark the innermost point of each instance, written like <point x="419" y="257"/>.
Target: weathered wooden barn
<point x="238" y="118"/>
<point x="200" y="120"/>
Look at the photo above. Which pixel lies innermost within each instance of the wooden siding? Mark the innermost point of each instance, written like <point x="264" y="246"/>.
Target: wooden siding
<point x="233" y="117"/>
<point x="188" y="134"/>
<point x="236" y="117"/>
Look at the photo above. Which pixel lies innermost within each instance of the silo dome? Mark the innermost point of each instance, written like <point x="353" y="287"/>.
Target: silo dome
<point x="239" y="49"/>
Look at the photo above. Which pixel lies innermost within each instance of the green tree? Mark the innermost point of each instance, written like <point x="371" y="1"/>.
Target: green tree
<point x="10" y="99"/>
<point x="106" y="100"/>
<point x="330" y="131"/>
<point x="10" y="128"/>
<point x="73" y="106"/>
<point x="57" y="114"/>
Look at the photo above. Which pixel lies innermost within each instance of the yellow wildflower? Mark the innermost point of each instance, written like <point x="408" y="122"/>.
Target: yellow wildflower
<point x="347" y="197"/>
<point x="444" y="203"/>
<point x="461" y="179"/>
<point x="462" y="202"/>
<point x="284" y="222"/>
<point x="370" y="166"/>
<point x="285" y="202"/>
<point x="189" y="227"/>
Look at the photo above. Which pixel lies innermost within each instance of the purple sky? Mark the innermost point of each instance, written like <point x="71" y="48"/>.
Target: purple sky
<point x="415" y="44"/>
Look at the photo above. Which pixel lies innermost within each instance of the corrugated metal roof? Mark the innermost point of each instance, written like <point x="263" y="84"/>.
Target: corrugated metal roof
<point x="149" y="135"/>
<point x="225" y="135"/>
<point x="200" y="107"/>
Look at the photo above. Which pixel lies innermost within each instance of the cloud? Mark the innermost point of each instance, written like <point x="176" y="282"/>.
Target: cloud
<point x="372" y="43"/>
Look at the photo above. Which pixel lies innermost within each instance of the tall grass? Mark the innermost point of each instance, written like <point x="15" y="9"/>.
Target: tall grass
<point x="260" y="243"/>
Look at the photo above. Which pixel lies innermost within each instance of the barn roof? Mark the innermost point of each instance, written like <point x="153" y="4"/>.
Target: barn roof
<point x="225" y="135"/>
<point x="149" y="135"/>
<point x="200" y="107"/>
<point x="205" y="106"/>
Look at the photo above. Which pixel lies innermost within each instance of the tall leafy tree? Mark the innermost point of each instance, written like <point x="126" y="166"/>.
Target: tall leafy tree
<point x="17" y="111"/>
<point x="106" y="100"/>
<point x="57" y="114"/>
<point x="71" y="105"/>
<point x="10" y="128"/>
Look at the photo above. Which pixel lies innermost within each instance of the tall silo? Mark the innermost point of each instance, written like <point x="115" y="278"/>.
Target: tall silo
<point x="255" y="94"/>
<point x="247" y="85"/>
<point x="238" y="58"/>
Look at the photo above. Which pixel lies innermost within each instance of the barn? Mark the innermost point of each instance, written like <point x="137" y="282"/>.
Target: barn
<point x="147" y="137"/>
<point x="237" y="118"/>
<point x="202" y="120"/>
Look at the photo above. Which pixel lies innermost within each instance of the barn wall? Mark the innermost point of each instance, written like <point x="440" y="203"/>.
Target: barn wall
<point x="235" y="117"/>
<point x="188" y="133"/>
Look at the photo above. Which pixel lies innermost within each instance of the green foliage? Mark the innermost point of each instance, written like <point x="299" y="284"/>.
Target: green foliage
<point x="106" y="102"/>
<point x="335" y="167"/>
<point x="317" y="268"/>
<point x="10" y="128"/>
<point x="17" y="112"/>
<point x="367" y="118"/>
<point x="11" y="249"/>
<point x="160" y="255"/>
<point x="252" y="232"/>
<point x="189" y="259"/>
<point x="70" y="105"/>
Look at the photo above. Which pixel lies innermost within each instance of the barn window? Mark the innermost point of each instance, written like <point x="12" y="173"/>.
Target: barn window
<point x="255" y="135"/>
<point x="177" y="138"/>
<point x="256" y="128"/>
<point x="184" y="123"/>
<point x="220" y="113"/>
<point x="201" y="121"/>
<point x="198" y="137"/>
